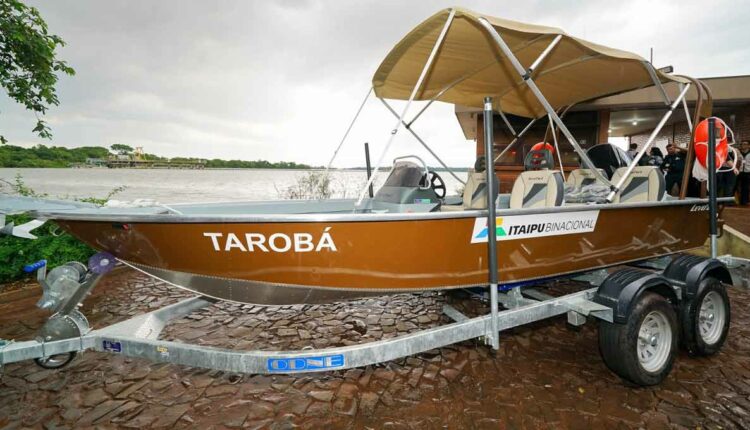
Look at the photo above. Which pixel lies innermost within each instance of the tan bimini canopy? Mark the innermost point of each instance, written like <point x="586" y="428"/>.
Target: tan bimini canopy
<point x="471" y="62"/>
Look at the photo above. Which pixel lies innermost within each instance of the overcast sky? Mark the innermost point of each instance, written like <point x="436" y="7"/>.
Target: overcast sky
<point x="280" y="80"/>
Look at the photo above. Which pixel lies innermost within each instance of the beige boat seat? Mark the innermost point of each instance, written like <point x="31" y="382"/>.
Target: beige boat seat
<point x="537" y="189"/>
<point x="645" y="184"/>
<point x="579" y="178"/>
<point x="475" y="193"/>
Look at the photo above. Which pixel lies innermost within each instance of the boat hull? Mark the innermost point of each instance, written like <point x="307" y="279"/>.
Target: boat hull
<point x="322" y="260"/>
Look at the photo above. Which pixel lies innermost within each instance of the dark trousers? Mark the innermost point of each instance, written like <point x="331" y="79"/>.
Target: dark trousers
<point x="725" y="182"/>
<point x="673" y="180"/>
<point x="744" y="186"/>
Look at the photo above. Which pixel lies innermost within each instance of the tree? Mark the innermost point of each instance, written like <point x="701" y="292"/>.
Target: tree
<point x="121" y="149"/>
<point x="28" y="67"/>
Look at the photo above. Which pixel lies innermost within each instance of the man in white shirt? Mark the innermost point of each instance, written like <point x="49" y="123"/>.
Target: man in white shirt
<point x="633" y="151"/>
<point x="744" y="176"/>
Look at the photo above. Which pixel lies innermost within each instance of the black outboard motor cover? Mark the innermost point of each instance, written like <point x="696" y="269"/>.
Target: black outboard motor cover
<point x="608" y="157"/>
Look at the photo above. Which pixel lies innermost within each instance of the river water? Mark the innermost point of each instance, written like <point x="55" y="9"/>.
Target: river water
<point x="176" y="186"/>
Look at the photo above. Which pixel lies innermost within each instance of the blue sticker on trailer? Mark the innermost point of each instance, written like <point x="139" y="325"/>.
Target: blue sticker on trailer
<point x="111" y="346"/>
<point x="323" y="362"/>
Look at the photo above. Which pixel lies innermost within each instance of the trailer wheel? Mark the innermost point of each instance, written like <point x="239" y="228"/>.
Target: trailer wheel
<point x="57" y="361"/>
<point x="643" y="349"/>
<point x="705" y="319"/>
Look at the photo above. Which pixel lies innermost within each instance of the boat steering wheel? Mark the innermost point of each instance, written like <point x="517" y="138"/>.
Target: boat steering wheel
<point x="436" y="183"/>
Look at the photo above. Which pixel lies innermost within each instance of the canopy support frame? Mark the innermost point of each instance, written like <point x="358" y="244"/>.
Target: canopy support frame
<point x="465" y="77"/>
<point x="543" y="100"/>
<point x="407" y="126"/>
<point x="447" y="88"/>
<point x="657" y="82"/>
<point x="557" y="147"/>
<point x="648" y="143"/>
<point x="346" y="134"/>
<point x="507" y="123"/>
<point x="544" y="54"/>
<point x="516" y="139"/>
<point x="415" y="90"/>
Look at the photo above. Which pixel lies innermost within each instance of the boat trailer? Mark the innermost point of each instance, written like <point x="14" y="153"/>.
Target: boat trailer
<point x="67" y="331"/>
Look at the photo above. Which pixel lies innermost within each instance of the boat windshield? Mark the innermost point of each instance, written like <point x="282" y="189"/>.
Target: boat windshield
<point x="405" y="174"/>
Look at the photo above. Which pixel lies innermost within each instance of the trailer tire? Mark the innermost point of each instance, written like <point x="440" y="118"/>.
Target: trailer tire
<point x="57" y="361"/>
<point x="706" y="319"/>
<point x="643" y="349"/>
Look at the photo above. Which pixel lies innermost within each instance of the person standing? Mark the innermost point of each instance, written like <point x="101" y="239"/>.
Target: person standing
<point x="633" y="151"/>
<point x="673" y="167"/>
<point x="726" y="176"/>
<point x="656" y="157"/>
<point x="744" y="176"/>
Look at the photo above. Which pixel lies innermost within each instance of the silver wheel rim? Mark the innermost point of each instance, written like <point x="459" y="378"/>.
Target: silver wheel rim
<point x="711" y="317"/>
<point x="55" y="361"/>
<point x="654" y="341"/>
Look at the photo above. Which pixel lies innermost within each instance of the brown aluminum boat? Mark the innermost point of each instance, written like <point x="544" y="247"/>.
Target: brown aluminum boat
<point x="409" y="236"/>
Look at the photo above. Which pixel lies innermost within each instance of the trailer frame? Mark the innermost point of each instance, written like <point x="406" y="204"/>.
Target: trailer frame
<point x="138" y="336"/>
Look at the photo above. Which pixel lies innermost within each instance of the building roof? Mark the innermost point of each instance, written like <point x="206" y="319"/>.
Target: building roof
<point x="637" y="111"/>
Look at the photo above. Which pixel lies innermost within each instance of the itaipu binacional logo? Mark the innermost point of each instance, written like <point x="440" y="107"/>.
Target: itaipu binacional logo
<point x="538" y="225"/>
<point x="485" y="232"/>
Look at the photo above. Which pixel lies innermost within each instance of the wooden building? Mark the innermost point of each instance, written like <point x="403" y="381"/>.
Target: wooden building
<point x="631" y="115"/>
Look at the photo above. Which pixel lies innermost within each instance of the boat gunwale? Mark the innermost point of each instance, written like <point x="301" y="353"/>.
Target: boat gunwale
<point x="172" y="218"/>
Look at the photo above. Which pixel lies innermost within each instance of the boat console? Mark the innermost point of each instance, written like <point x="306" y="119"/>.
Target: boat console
<point x="407" y="185"/>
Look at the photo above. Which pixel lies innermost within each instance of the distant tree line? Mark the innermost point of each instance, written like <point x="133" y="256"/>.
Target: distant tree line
<point x="48" y="156"/>
<point x="58" y="156"/>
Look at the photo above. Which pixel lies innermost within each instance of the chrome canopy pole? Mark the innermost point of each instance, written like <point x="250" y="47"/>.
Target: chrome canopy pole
<point x="507" y="123"/>
<point x="491" y="222"/>
<point x="465" y="77"/>
<point x="446" y="89"/>
<point x="650" y="140"/>
<point x="516" y="139"/>
<point x="414" y="92"/>
<point x="711" y="167"/>
<point x="557" y="147"/>
<point x="657" y="82"/>
<point x="544" y="54"/>
<point x="413" y="133"/>
<point x="540" y="97"/>
<point x="343" y="139"/>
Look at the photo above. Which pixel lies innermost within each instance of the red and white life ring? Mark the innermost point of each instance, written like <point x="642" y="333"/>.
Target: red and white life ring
<point x="701" y="147"/>
<point x="542" y="146"/>
<point x="701" y="143"/>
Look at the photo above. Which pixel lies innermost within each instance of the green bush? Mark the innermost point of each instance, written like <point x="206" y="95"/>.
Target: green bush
<point x="52" y="244"/>
<point x="56" y="248"/>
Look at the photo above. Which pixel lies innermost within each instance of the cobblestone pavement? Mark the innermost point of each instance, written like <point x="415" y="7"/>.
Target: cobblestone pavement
<point x="739" y="218"/>
<point x="544" y="376"/>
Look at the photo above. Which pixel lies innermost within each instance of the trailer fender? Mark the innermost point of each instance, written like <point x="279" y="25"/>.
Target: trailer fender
<point x="690" y="271"/>
<point x="622" y="289"/>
